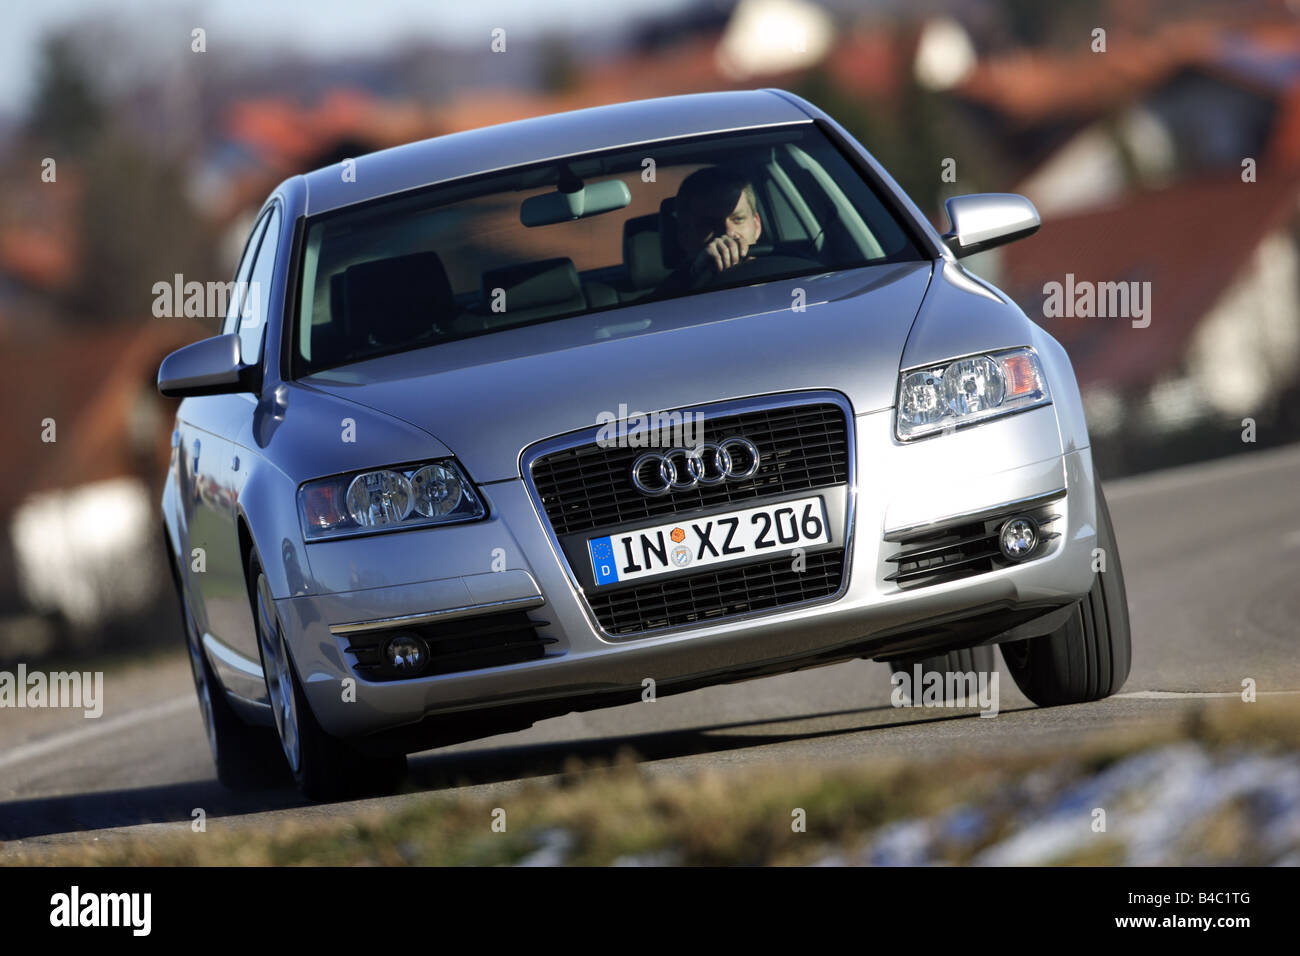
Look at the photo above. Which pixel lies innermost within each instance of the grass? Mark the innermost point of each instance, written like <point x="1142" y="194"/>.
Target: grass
<point x="600" y="814"/>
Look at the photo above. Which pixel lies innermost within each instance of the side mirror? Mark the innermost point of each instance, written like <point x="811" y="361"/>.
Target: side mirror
<point x="209" y="367"/>
<point x="984" y="220"/>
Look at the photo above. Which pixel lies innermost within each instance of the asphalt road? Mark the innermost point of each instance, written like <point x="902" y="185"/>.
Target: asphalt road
<point x="1212" y="561"/>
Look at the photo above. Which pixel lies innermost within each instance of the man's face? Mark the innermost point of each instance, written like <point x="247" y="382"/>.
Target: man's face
<point x="707" y="217"/>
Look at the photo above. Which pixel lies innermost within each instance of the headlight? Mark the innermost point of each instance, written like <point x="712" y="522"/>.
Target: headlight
<point x="377" y="499"/>
<point x="387" y="499"/>
<point x="969" y="390"/>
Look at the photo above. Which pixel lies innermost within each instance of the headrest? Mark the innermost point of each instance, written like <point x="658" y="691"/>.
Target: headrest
<point x="535" y="285"/>
<point x="643" y="255"/>
<point x="669" y="250"/>
<point x="338" y="305"/>
<point x="394" y="300"/>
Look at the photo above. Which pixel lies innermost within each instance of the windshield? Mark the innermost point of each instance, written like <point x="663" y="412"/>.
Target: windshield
<point x="591" y="233"/>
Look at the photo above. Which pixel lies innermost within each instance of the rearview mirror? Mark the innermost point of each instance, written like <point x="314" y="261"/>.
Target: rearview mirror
<point x="984" y="220"/>
<point x="209" y="367"/>
<point x="559" y="206"/>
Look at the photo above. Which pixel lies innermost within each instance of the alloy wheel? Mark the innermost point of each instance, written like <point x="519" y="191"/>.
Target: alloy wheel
<point x="201" y="686"/>
<point x="279" y="682"/>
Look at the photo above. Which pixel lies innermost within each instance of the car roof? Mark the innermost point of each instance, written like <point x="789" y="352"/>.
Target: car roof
<point x="522" y="142"/>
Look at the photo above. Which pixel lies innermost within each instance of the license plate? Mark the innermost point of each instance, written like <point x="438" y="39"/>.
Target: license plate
<point x="716" y="539"/>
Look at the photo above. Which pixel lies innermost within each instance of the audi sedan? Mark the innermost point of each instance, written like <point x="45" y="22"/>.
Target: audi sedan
<point x="564" y="413"/>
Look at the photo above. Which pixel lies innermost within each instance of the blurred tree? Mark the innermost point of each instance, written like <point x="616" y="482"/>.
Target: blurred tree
<point x="65" y="111"/>
<point x="557" y="69"/>
<point x="911" y="137"/>
<point x="135" y="223"/>
<point x="1063" y="23"/>
<point x="137" y="227"/>
<point x="860" y="117"/>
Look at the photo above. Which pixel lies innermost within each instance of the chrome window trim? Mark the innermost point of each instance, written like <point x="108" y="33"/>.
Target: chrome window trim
<point x="952" y="521"/>
<point x="447" y="614"/>
<point x="587" y="436"/>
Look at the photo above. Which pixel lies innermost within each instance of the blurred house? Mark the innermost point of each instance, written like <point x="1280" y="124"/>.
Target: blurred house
<point x="87" y="434"/>
<point x="1081" y="129"/>
<point x="1172" y="159"/>
<point x="1222" y="258"/>
<point x="37" y="256"/>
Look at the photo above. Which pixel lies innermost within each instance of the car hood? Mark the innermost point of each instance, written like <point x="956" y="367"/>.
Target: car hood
<point x="488" y="397"/>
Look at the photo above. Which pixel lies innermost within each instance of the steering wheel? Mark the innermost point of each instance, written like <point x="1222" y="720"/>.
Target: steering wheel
<point x="704" y="273"/>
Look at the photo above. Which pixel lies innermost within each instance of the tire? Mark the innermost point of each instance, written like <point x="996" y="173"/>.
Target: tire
<point x="966" y="660"/>
<point x="1088" y="657"/>
<point x="246" y="756"/>
<point x="323" y="766"/>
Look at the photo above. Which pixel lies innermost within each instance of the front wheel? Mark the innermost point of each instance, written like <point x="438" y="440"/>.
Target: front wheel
<point x="1088" y="657"/>
<point x="324" y="767"/>
<point x="968" y="660"/>
<point x="244" y="755"/>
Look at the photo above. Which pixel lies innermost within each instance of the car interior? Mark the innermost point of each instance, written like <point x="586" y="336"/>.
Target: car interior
<point x="402" y="301"/>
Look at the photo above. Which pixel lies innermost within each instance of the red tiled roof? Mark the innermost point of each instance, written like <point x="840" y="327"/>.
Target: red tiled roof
<point x="38" y="227"/>
<point x="868" y="63"/>
<point x="86" y="379"/>
<point x="37" y="258"/>
<point x="688" y="67"/>
<point x="1189" y="241"/>
<point x="284" y="133"/>
<point x="1041" y="85"/>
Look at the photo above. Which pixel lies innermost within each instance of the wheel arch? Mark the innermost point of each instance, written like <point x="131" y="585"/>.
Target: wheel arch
<point x="266" y="521"/>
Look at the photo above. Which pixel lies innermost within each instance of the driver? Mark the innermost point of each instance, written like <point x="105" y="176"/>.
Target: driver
<point x="717" y="225"/>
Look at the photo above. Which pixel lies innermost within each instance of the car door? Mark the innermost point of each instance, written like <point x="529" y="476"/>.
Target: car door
<point x="216" y="566"/>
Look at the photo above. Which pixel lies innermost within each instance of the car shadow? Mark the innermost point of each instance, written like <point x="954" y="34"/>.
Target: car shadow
<point x="440" y="770"/>
<point x="103" y="809"/>
<point x="430" y="772"/>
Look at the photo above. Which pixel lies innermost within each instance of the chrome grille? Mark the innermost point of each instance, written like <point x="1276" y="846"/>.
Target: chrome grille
<point x="700" y="598"/>
<point x="590" y="486"/>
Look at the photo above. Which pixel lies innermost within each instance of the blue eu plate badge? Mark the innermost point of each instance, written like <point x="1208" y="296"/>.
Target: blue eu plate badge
<point x="602" y="560"/>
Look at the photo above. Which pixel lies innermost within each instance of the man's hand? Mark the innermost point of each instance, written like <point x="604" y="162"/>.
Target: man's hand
<point x="725" y="252"/>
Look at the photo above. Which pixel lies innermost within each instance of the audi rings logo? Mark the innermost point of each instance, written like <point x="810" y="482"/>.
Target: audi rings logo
<point x="681" y="469"/>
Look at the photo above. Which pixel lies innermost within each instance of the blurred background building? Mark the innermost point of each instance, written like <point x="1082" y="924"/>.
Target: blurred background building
<point x="1165" y="150"/>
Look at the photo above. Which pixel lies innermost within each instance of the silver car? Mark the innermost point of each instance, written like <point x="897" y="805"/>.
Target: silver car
<point x="568" y="412"/>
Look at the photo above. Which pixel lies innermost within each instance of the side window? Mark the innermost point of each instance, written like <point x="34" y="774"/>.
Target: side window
<point x="785" y="224"/>
<point x="253" y="316"/>
<point x="235" y="299"/>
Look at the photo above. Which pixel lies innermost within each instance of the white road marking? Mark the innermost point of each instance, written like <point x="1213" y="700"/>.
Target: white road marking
<point x="97" y="728"/>
<point x="1175" y="694"/>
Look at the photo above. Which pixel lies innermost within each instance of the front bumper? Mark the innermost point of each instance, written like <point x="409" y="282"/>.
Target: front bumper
<point x="898" y="486"/>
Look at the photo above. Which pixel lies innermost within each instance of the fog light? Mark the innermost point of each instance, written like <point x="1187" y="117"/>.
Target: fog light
<point x="1018" y="538"/>
<point x="406" y="655"/>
